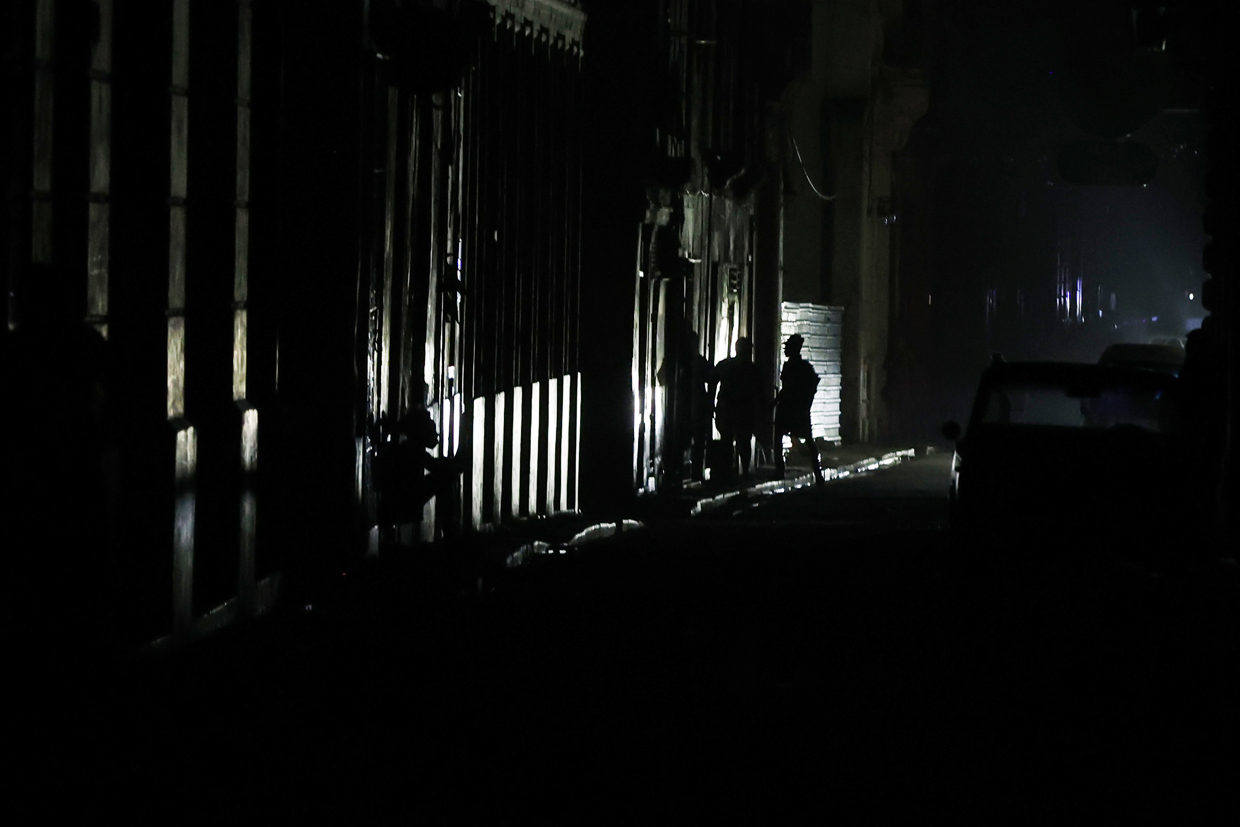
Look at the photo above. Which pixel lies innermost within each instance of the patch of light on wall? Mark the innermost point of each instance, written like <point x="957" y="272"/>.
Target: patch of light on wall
<point x="240" y="336"/>
<point x="249" y="440"/>
<point x="497" y="458"/>
<point x="637" y="397"/>
<point x="176" y="367"/>
<point x="515" y="505"/>
<point x="456" y="424"/>
<point x="478" y="457"/>
<point x="533" y="460"/>
<point x="577" y="453"/>
<point x="553" y="433"/>
<point x="660" y="393"/>
<point x="359" y="464"/>
<point x="249" y="508"/>
<point x="183" y="527"/>
<point x="566" y="427"/>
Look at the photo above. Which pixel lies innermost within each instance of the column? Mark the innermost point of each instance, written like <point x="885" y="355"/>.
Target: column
<point x="248" y="516"/>
<point x="186" y="438"/>
<point x="100" y="186"/>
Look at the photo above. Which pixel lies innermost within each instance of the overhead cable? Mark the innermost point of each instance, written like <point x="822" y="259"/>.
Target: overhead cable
<point x="805" y="172"/>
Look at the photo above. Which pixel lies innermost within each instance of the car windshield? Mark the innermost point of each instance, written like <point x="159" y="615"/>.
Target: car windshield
<point x="1078" y="404"/>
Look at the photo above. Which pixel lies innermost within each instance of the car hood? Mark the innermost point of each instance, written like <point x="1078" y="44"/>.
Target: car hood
<point x="1078" y="465"/>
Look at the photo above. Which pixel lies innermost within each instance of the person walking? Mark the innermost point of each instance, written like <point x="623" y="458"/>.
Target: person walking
<point x="798" y="382"/>
<point x="736" y="406"/>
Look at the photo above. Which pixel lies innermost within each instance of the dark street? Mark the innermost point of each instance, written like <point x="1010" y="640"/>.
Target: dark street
<point x="620" y="411"/>
<point x="817" y="654"/>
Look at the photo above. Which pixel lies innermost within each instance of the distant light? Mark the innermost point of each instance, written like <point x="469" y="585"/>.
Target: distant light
<point x="1190" y="296"/>
<point x="1099" y="314"/>
<point x="1050" y="73"/>
<point x="930" y="299"/>
<point x="1153" y="318"/>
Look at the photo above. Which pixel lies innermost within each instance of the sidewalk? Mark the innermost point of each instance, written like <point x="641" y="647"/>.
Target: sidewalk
<point x="447" y="572"/>
<point x="476" y="562"/>
<point x="539" y="540"/>
<point x="838" y="461"/>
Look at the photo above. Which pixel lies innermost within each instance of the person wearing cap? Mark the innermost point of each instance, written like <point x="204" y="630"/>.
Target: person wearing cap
<point x="798" y="382"/>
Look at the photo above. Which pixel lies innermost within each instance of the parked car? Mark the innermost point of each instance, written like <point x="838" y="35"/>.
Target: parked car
<point x="1071" y="455"/>
<point x="1165" y="356"/>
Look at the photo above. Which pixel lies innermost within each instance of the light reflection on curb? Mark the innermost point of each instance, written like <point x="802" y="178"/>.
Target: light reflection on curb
<point x="539" y="548"/>
<point x="805" y="480"/>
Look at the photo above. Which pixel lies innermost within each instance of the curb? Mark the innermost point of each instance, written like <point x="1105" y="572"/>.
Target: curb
<point x="536" y="549"/>
<point x="592" y="534"/>
<point x="807" y="479"/>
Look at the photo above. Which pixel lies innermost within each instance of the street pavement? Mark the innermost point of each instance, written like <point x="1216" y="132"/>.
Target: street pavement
<point x="781" y="658"/>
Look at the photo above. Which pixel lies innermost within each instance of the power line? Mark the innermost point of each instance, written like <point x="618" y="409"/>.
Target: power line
<point x="805" y="172"/>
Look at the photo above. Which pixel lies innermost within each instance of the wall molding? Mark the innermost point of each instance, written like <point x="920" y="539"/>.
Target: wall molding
<point x="560" y="18"/>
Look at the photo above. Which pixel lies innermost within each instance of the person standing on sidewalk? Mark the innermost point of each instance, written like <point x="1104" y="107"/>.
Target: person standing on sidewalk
<point x="737" y="405"/>
<point x="798" y="382"/>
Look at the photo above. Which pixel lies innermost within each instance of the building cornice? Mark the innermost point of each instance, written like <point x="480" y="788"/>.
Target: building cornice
<point x="558" y="17"/>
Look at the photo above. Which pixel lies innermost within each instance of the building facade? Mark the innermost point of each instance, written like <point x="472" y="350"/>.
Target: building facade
<point x="293" y="230"/>
<point x="854" y="106"/>
<point x="708" y="264"/>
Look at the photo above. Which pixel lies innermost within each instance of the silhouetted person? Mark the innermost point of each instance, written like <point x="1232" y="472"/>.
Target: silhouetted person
<point x="738" y="403"/>
<point x="407" y="474"/>
<point x="687" y="419"/>
<point x="798" y="382"/>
